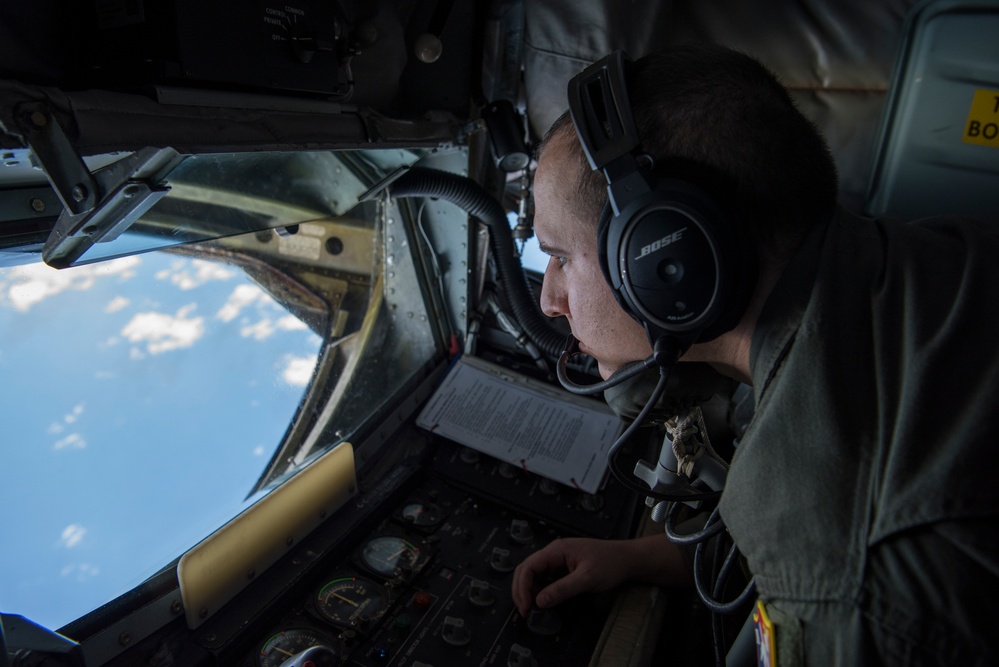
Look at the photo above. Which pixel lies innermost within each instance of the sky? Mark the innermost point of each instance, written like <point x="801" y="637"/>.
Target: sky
<point x="141" y="400"/>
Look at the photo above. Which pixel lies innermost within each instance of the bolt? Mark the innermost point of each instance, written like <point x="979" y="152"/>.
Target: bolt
<point x="290" y="541"/>
<point x="37" y="205"/>
<point x="203" y="613"/>
<point x="39" y="119"/>
<point x="130" y="191"/>
<point x="79" y="193"/>
<point x="125" y="639"/>
<point x="176" y="607"/>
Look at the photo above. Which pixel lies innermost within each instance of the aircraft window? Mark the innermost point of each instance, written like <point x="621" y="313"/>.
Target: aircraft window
<point x="531" y="257"/>
<point x="150" y="398"/>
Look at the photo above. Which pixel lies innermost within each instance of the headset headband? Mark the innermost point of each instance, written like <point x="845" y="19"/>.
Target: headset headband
<point x="601" y="113"/>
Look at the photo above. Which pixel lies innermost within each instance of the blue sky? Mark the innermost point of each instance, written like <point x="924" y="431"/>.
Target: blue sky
<point x="142" y="398"/>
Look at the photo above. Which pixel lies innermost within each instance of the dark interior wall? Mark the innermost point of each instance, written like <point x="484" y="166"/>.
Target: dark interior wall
<point x="836" y="57"/>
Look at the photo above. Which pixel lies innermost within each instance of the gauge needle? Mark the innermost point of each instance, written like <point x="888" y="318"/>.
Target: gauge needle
<point x="347" y="600"/>
<point x="281" y="650"/>
<point x="397" y="553"/>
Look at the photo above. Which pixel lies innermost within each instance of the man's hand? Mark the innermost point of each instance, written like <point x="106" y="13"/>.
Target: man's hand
<point x="587" y="565"/>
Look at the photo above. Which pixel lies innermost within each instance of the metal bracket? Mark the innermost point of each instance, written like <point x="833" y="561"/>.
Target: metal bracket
<point x="132" y="186"/>
<point x="51" y="147"/>
<point x="98" y="207"/>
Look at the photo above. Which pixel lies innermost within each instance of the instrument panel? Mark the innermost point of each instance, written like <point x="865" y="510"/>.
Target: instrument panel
<point x="429" y="583"/>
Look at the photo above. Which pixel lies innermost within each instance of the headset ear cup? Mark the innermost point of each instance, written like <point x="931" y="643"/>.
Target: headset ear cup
<point x="679" y="262"/>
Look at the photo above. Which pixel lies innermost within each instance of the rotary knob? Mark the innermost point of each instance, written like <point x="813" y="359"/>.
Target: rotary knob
<point x="454" y="631"/>
<point x="500" y="560"/>
<point x="520" y="656"/>
<point x="481" y="594"/>
<point x="521" y="531"/>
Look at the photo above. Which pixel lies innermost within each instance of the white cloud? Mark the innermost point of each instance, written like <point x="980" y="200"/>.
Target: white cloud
<point x="72" y="535"/>
<point x="176" y="265"/>
<point x="244" y="295"/>
<point x="198" y="272"/>
<point x="291" y="323"/>
<point x="261" y="330"/>
<point x="116" y="304"/>
<point x="80" y="571"/>
<point x="74" y="441"/>
<point x="298" y="370"/>
<point x="33" y="283"/>
<point x="74" y="414"/>
<point x="71" y="441"/>
<point x="265" y="328"/>
<point x="162" y="332"/>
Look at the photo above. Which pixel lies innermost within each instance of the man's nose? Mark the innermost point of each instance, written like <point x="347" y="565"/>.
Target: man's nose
<point x="553" y="295"/>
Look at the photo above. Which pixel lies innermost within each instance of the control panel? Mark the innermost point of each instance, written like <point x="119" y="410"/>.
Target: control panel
<point x="429" y="584"/>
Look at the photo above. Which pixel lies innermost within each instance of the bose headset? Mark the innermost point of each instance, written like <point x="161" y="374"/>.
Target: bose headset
<point x="675" y="255"/>
<point x="678" y="260"/>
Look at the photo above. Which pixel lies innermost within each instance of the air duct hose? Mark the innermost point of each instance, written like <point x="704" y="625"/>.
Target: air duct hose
<point x="473" y="198"/>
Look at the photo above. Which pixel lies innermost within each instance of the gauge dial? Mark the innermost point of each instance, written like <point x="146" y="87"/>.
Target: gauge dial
<point x="352" y="602"/>
<point x="424" y="515"/>
<point x="287" y="643"/>
<point x="389" y="556"/>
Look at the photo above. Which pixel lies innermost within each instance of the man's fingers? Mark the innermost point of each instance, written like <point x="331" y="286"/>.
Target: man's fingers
<point x="559" y="591"/>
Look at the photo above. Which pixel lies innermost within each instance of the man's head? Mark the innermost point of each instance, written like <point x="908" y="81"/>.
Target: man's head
<point x="697" y="103"/>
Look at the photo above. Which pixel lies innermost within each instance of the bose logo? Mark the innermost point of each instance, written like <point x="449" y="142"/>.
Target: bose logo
<point x="661" y="243"/>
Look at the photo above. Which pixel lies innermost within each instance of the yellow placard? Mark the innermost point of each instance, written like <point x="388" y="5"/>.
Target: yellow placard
<point x="983" y="119"/>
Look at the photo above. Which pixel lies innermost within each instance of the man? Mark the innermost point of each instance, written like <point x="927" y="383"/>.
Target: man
<point x="861" y="495"/>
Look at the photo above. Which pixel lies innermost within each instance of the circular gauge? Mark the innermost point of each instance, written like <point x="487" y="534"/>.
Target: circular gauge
<point x="422" y="514"/>
<point x="287" y="643"/>
<point x="389" y="556"/>
<point x="353" y="602"/>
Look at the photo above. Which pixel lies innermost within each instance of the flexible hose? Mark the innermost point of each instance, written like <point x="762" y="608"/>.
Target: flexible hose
<point x="473" y="198"/>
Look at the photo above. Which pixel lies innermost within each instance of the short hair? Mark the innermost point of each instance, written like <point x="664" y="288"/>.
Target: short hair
<point x="724" y="110"/>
